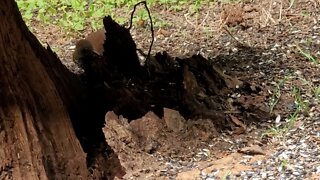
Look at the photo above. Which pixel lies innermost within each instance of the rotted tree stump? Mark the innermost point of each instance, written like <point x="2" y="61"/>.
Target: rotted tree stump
<point x="192" y="86"/>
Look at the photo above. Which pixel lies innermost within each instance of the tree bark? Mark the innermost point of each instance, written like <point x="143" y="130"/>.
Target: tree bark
<point x="37" y="98"/>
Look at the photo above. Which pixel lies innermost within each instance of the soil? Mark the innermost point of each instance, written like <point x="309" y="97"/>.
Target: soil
<point x="256" y="43"/>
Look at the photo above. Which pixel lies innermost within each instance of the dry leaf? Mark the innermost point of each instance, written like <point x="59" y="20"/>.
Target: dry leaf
<point x="252" y="150"/>
<point x="237" y="121"/>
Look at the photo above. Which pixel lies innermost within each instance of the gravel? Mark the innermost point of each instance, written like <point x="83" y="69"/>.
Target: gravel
<point x="296" y="156"/>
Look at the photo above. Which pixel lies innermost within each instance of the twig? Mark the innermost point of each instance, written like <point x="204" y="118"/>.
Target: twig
<point x="268" y="17"/>
<point x="291" y="4"/>
<point x="280" y="11"/>
<point x="188" y="21"/>
<point x="204" y="19"/>
<point x="240" y="43"/>
<point x="151" y="24"/>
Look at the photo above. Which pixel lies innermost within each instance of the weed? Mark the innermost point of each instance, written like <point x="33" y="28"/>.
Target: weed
<point x="301" y="106"/>
<point x="276" y="93"/>
<point x="226" y="175"/>
<point x="291" y="4"/>
<point x="284" y="164"/>
<point x="316" y="91"/>
<point x="279" y="131"/>
<point x="72" y="15"/>
<point x="305" y="13"/>
<point x="274" y="131"/>
<point x="196" y="6"/>
<point x="275" y="97"/>
<point x="208" y="32"/>
<point x="76" y="15"/>
<point x="308" y="56"/>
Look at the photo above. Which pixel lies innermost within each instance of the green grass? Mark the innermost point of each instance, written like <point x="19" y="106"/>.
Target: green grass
<point x="226" y="175"/>
<point x="280" y="131"/>
<point x="307" y="55"/>
<point x="284" y="164"/>
<point x="291" y="3"/>
<point x="70" y="14"/>
<point x="316" y="91"/>
<point x="276" y="94"/>
<point x="76" y="15"/>
<point x="301" y="106"/>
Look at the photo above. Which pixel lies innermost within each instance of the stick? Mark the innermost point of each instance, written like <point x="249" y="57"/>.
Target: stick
<point x="151" y="24"/>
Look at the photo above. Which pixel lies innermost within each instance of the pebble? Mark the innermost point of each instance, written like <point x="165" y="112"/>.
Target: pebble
<point x="294" y="158"/>
<point x="296" y="173"/>
<point x="210" y="178"/>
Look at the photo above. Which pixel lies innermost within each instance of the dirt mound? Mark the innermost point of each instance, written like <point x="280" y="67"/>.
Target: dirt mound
<point x="138" y="143"/>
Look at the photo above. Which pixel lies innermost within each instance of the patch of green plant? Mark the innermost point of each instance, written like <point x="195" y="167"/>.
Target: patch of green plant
<point x="300" y="106"/>
<point x="276" y="94"/>
<point x="316" y="92"/>
<point x="282" y="129"/>
<point x="208" y="32"/>
<point x="291" y="3"/>
<point x="177" y="7"/>
<point x="274" y="131"/>
<point x="72" y="15"/>
<point x="308" y="55"/>
<point x="226" y="176"/>
<point x="305" y="13"/>
<point x="77" y="14"/>
<point x="196" y="6"/>
<point x="160" y="23"/>
<point x="284" y="164"/>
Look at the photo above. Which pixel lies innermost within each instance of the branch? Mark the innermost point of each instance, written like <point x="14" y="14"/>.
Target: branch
<point x="151" y="24"/>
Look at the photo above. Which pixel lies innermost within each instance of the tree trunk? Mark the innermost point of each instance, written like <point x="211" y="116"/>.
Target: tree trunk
<point x="37" y="97"/>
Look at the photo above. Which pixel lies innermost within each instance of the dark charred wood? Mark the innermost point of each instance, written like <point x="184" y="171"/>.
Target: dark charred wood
<point x="191" y="86"/>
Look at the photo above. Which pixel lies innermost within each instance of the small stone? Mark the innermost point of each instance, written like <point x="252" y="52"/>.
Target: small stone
<point x="206" y="150"/>
<point x="250" y="174"/>
<point x="172" y="172"/>
<point x="295" y="173"/>
<point x="210" y="178"/>
<point x="299" y="167"/>
<point x="163" y="173"/>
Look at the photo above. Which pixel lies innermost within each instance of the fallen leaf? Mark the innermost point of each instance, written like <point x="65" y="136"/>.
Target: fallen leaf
<point x="239" y="130"/>
<point x="252" y="150"/>
<point x="237" y="121"/>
